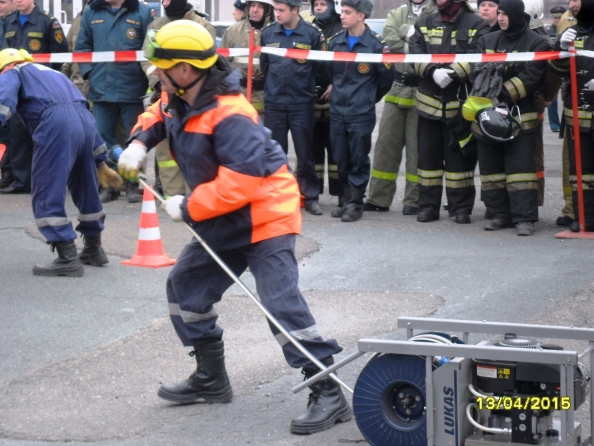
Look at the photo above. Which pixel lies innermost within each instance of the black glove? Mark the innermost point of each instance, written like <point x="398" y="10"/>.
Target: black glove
<point x="505" y="97"/>
<point x="460" y="131"/>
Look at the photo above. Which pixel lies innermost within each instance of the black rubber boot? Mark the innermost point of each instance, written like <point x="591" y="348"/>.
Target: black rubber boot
<point x="354" y="207"/>
<point x="133" y="192"/>
<point x="346" y="196"/>
<point x="326" y="406"/>
<point x="92" y="253"/>
<point x="108" y="194"/>
<point x="209" y="382"/>
<point x="7" y="177"/>
<point x="67" y="263"/>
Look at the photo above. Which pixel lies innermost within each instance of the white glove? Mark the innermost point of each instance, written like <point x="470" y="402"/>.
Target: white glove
<point x="441" y="76"/>
<point x="172" y="207"/>
<point x="567" y="37"/>
<point x="132" y="160"/>
<point x="410" y="33"/>
<point x="590" y="84"/>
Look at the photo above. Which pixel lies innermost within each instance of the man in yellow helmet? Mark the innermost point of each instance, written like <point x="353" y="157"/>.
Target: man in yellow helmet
<point x="48" y="103"/>
<point x="244" y="203"/>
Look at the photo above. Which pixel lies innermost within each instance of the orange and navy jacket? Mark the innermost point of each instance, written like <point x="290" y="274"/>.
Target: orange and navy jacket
<point x="242" y="189"/>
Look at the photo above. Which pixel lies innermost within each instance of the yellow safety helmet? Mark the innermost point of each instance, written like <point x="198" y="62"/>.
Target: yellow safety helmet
<point x="12" y="55"/>
<point x="181" y="41"/>
<point x="473" y="105"/>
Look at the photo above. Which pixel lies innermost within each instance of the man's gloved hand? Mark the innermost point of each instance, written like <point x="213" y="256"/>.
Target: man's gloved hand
<point x="441" y="76"/>
<point x="589" y="85"/>
<point x="132" y="160"/>
<point x="172" y="207"/>
<point x="566" y="38"/>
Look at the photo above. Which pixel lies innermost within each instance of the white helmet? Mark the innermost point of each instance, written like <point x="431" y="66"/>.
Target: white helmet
<point x="535" y="9"/>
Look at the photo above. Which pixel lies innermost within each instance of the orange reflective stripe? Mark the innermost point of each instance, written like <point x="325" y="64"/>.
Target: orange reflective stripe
<point x="227" y="106"/>
<point x="228" y="192"/>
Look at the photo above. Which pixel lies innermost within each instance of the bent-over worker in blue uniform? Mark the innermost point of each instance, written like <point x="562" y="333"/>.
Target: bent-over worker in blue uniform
<point x="65" y="145"/>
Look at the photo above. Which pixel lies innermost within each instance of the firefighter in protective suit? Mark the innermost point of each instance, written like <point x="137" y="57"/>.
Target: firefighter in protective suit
<point x="48" y="102"/>
<point x="508" y="170"/>
<point x="258" y="15"/>
<point x="444" y="141"/>
<point x="398" y="126"/>
<point x="244" y="204"/>
<point x="580" y="33"/>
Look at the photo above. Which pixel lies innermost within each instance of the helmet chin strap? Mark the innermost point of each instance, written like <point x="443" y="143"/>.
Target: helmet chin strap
<point x="180" y="91"/>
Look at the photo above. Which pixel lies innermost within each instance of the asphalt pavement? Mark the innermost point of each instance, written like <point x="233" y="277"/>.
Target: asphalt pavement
<point x="81" y="359"/>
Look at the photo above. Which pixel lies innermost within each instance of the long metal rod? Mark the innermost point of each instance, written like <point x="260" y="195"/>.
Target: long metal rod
<point x="246" y="290"/>
<point x="326" y="372"/>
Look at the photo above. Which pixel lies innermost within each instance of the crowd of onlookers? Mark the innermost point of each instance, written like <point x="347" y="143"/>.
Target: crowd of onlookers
<point x="330" y="111"/>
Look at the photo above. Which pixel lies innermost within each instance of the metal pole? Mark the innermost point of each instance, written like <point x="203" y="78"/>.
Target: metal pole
<point x="326" y="372"/>
<point x="250" y="71"/>
<point x="246" y="290"/>
<point x="576" y="137"/>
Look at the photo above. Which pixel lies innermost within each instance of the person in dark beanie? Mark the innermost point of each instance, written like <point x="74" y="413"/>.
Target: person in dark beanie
<point x="238" y="9"/>
<point x="509" y="185"/>
<point x="356" y="88"/>
<point x="487" y="9"/>
<point x="326" y="17"/>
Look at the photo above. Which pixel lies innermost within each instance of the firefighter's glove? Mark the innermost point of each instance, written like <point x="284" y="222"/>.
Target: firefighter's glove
<point x="132" y="160"/>
<point x="566" y="38"/>
<point x="172" y="207"/>
<point x="589" y="85"/>
<point x="441" y="76"/>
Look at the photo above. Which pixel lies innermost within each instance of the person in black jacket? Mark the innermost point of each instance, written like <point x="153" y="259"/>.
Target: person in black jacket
<point x="326" y="17"/>
<point x="508" y="171"/>
<point x="356" y="88"/>
<point x="445" y="146"/>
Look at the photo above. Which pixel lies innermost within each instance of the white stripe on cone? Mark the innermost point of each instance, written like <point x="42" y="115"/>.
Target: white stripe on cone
<point x="149" y="234"/>
<point x="149" y="207"/>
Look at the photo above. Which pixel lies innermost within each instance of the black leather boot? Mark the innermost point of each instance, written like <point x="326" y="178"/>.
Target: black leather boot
<point x="346" y="196"/>
<point x="67" y="263"/>
<point x="209" y="382"/>
<point x="354" y="207"/>
<point x="92" y="253"/>
<point x="326" y="406"/>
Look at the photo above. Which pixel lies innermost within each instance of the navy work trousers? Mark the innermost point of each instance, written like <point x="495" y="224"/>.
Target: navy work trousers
<point x="351" y="144"/>
<point x="197" y="282"/>
<point x="300" y="121"/>
<point x="65" y="159"/>
<point x="20" y="153"/>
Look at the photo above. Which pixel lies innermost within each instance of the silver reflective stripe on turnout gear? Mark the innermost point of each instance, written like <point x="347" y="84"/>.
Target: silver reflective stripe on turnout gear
<point x="51" y="221"/>
<point x="99" y="150"/>
<point x="306" y="334"/>
<point x="188" y="316"/>
<point x="4" y="110"/>
<point x="91" y="217"/>
<point x="246" y="60"/>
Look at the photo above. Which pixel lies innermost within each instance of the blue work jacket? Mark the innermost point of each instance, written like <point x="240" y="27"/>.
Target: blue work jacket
<point x="291" y="82"/>
<point x="102" y="29"/>
<point x="357" y="86"/>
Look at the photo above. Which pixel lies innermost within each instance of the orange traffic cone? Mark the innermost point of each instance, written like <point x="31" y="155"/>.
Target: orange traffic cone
<point x="149" y="251"/>
<point x="2" y="151"/>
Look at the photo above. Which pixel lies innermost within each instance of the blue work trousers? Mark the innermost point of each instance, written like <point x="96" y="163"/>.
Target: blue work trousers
<point x="351" y="144"/>
<point x="300" y="121"/>
<point x="197" y="282"/>
<point x="63" y="157"/>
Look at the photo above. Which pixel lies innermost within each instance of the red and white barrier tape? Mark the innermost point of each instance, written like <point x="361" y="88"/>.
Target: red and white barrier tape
<point x="138" y="56"/>
<point x="116" y="56"/>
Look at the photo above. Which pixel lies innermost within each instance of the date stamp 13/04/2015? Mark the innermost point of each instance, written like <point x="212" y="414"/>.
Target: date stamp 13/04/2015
<point x="524" y="402"/>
